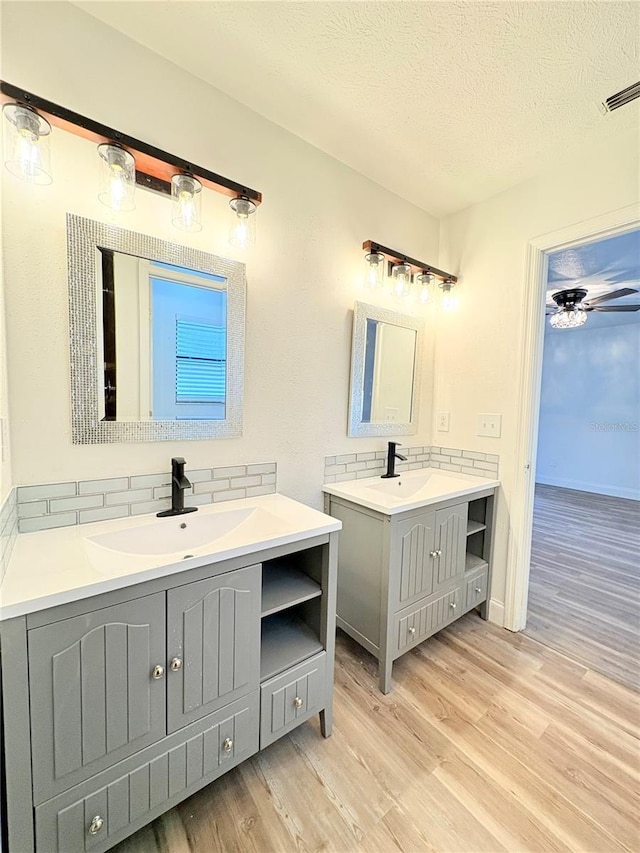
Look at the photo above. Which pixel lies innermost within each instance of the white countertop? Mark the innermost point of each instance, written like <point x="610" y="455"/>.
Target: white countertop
<point x="411" y="490"/>
<point x="54" y="567"/>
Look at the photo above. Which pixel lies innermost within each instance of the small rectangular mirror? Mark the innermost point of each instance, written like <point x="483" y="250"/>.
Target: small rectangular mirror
<point x="157" y="338"/>
<point x="385" y="372"/>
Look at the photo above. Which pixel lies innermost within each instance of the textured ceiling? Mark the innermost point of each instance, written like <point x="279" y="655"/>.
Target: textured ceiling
<point x="444" y="103"/>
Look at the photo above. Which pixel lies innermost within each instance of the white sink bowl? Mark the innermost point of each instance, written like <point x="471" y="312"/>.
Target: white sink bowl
<point x="401" y="487"/>
<point x="185" y="534"/>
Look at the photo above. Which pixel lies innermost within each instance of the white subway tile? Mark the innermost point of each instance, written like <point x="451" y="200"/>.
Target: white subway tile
<point x="472" y="454"/>
<point x="263" y="468"/>
<point x="211" y="486"/>
<point x="52" y="490"/>
<point x="31" y="510"/>
<point x="97" y="487"/>
<point x="199" y="475"/>
<point x="451" y="451"/>
<point x="330" y="478"/>
<point x="148" y="481"/>
<point x="335" y="469"/>
<point x="233" y="495"/>
<point x="365" y="457"/>
<point x="329" y="460"/>
<point x="104" y="513"/>
<point x="268" y="479"/>
<point x="199" y="500"/>
<point x="345" y="458"/>
<point x="230" y="471"/>
<point x="67" y="504"/>
<point x="47" y="522"/>
<point x="356" y="466"/>
<point x="485" y="466"/>
<point x="446" y="467"/>
<point x="245" y="482"/>
<point x="256" y="491"/>
<point x="147" y="507"/>
<point x="129" y="497"/>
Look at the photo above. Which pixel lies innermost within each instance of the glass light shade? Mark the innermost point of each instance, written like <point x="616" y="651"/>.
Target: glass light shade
<point x="27" y="150"/>
<point x="568" y="318"/>
<point x="117" y="177"/>
<point x="401" y="274"/>
<point x="375" y="269"/>
<point x="187" y="203"/>
<point x="243" y="228"/>
<point x="424" y="279"/>
<point x="449" y="301"/>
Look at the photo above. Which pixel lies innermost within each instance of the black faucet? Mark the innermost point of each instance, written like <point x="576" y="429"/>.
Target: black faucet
<point x="392" y="455"/>
<point x="178" y="484"/>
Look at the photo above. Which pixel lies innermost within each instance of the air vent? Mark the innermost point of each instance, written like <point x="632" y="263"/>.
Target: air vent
<point x="621" y="98"/>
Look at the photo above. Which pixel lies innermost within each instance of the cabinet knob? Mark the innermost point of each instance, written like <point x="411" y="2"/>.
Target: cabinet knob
<point x="157" y="671"/>
<point x="176" y="664"/>
<point x="298" y="702"/>
<point x="96" y="825"/>
<point x="412" y="631"/>
<point x="453" y="605"/>
<point x="478" y="589"/>
<point x="434" y="554"/>
<point x="439" y="553"/>
<point x="227" y="744"/>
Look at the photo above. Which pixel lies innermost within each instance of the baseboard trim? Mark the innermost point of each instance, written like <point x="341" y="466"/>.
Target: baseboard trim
<point x="495" y="612"/>
<point x="594" y="488"/>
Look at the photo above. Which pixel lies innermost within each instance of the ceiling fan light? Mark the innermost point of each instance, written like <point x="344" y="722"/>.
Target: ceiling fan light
<point x="568" y="318"/>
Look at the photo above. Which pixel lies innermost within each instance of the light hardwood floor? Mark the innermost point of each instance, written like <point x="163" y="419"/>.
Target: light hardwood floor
<point x="584" y="590"/>
<point x="490" y="741"/>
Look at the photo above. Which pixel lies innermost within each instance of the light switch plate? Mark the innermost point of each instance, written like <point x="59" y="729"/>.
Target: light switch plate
<point x="443" y="421"/>
<point x="489" y="424"/>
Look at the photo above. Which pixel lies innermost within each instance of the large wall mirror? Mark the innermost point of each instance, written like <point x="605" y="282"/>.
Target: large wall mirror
<point x="157" y="338"/>
<point x="386" y="359"/>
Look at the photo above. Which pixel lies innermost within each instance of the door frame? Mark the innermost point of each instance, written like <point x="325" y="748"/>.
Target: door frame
<point x="529" y="384"/>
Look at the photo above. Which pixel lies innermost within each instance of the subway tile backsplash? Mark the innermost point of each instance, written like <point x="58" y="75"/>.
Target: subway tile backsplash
<point x="8" y="530"/>
<point x="353" y="466"/>
<point x="43" y="507"/>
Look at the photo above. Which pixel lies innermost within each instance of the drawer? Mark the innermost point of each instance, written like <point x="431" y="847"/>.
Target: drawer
<point x="291" y="698"/>
<point x="421" y="620"/>
<point x="101" y="812"/>
<point x="476" y="589"/>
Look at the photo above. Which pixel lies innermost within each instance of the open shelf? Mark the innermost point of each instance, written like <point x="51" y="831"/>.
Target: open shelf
<point x="284" y="586"/>
<point x="286" y="641"/>
<point x="475" y="527"/>
<point x="473" y="562"/>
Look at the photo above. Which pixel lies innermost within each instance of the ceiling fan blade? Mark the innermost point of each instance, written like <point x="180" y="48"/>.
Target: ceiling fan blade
<point x="615" y="308"/>
<point x="607" y="297"/>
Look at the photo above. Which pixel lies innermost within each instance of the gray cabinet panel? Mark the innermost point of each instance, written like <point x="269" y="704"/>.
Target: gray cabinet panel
<point x="214" y="630"/>
<point x="416" y="542"/>
<point x="476" y="589"/>
<point x="93" y="700"/>
<point x="416" y="623"/>
<point x="291" y="698"/>
<point x="145" y="788"/>
<point x="451" y="542"/>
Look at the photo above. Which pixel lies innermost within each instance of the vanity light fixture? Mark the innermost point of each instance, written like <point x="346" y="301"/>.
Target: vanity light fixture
<point x="187" y="203"/>
<point x="117" y="177"/>
<point x="124" y="162"/>
<point x="448" y="299"/>
<point x="424" y="279"/>
<point x="243" y="227"/>
<point x="27" y="150"/>
<point x="375" y="273"/>
<point x="402" y="269"/>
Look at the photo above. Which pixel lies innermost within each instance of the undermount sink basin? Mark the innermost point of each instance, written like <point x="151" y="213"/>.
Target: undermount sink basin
<point x="184" y="534"/>
<point x="401" y="487"/>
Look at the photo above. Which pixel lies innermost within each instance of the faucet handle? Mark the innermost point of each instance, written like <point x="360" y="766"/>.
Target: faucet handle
<point x="178" y="460"/>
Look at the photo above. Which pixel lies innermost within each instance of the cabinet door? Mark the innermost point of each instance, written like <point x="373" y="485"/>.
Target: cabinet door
<point x="213" y="650"/>
<point x="94" y="699"/>
<point x="413" y="552"/>
<point x="451" y="543"/>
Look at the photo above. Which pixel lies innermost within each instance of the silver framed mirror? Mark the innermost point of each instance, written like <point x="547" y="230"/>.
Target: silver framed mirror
<point x="386" y="365"/>
<point x="156" y="338"/>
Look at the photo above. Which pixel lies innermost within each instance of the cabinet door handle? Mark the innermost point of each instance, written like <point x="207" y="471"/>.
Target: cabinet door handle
<point x="96" y="825"/>
<point x="176" y="664"/>
<point x="434" y="554"/>
<point x="453" y="605"/>
<point x="412" y="631"/>
<point x="478" y="589"/>
<point x="227" y="744"/>
<point x="157" y="671"/>
<point x="298" y="702"/>
<point x="439" y="553"/>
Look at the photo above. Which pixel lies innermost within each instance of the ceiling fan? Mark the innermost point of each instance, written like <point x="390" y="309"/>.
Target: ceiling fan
<point x="572" y="310"/>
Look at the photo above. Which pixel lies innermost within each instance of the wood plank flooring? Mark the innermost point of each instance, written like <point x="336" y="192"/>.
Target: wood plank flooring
<point x="584" y="589"/>
<point x="490" y="741"/>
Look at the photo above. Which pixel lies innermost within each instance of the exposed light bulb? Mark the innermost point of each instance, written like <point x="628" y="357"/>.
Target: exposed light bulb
<point x="401" y="274"/>
<point x="26" y="144"/>
<point x="186" y="194"/>
<point x="375" y="269"/>
<point x="449" y="301"/>
<point x="243" y="227"/>
<point x="118" y="177"/>
<point x="424" y="279"/>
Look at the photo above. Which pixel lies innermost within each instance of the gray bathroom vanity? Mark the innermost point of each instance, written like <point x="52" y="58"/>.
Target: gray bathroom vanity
<point x="131" y="691"/>
<point x="415" y="554"/>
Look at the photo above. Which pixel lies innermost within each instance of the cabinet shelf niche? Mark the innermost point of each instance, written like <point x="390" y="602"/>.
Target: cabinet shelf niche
<point x="286" y="641"/>
<point x="474" y="562"/>
<point x="283" y="587"/>
<point x="475" y="527"/>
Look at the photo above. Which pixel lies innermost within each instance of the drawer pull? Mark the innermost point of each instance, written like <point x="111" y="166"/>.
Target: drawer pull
<point x="298" y="702"/>
<point x="412" y="631"/>
<point x="176" y="664"/>
<point x="453" y="605"/>
<point x="433" y="554"/>
<point x="96" y="825"/>
<point x="478" y="589"/>
<point x="227" y="744"/>
<point x="157" y="672"/>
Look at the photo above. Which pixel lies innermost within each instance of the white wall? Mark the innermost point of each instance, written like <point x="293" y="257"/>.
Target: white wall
<point x="589" y="431"/>
<point x="303" y="276"/>
<point x="478" y="346"/>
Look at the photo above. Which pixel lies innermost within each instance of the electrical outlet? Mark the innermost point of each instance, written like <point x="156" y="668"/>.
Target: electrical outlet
<point x="489" y="424"/>
<point x="443" y="421"/>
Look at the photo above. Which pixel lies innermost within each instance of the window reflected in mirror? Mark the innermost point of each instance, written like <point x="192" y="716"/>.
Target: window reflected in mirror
<point x="164" y="341"/>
